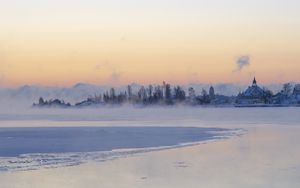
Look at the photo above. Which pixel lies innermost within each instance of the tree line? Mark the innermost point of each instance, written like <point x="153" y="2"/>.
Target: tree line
<point x="166" y="94"/>
<point x="163" y="94"/>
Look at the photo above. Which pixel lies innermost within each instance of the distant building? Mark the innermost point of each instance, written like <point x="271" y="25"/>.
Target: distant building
<point x="297" y="90"/>
<point x="295" y="98"/>
<point x="285" y="98"/>
<point x="280" y="98"/>
<point x="253" y="95"/>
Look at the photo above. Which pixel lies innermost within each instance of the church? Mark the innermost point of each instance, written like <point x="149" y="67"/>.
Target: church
<point x="253" y="95"/>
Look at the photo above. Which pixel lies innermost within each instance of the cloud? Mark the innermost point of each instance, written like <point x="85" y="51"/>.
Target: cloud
<point x="242" y="62"/>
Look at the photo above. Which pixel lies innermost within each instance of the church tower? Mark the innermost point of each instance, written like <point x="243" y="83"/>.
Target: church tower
<point x="254" y="82"/>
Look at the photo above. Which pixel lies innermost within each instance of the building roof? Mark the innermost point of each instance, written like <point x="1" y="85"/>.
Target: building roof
<point x="253" y="91"/>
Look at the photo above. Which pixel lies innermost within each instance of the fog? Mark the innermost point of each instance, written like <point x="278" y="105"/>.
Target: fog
<point x="23" y="97"/>
<point x="148" y="116"/>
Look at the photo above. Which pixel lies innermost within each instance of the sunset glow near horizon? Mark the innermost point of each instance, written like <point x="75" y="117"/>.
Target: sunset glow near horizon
<point x="116" y="42"/>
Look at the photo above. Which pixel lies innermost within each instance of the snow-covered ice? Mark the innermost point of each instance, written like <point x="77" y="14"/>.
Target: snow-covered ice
<point x="266" y="155"/>
<point x="35" y="148"/>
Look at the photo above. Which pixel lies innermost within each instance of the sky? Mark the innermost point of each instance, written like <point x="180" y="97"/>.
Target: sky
<point x="115" y="42"/>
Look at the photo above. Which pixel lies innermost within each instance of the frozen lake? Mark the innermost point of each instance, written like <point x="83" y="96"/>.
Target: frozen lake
<point x="266" y="155"/>
<point x="18" y="141"/>
<point x="35" y="148"/>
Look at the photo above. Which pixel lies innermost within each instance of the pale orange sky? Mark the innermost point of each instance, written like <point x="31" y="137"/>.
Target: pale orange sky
<point x="65" y="42"/>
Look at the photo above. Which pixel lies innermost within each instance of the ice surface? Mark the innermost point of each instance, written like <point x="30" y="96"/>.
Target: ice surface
<point x="34" y="148"/>
<point x="152" y="116"/>
<point x="99" y="131"/>
<point x="266" y="156"/>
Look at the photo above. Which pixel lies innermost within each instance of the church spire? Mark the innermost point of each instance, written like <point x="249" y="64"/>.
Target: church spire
<point x="254" y="81"/>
